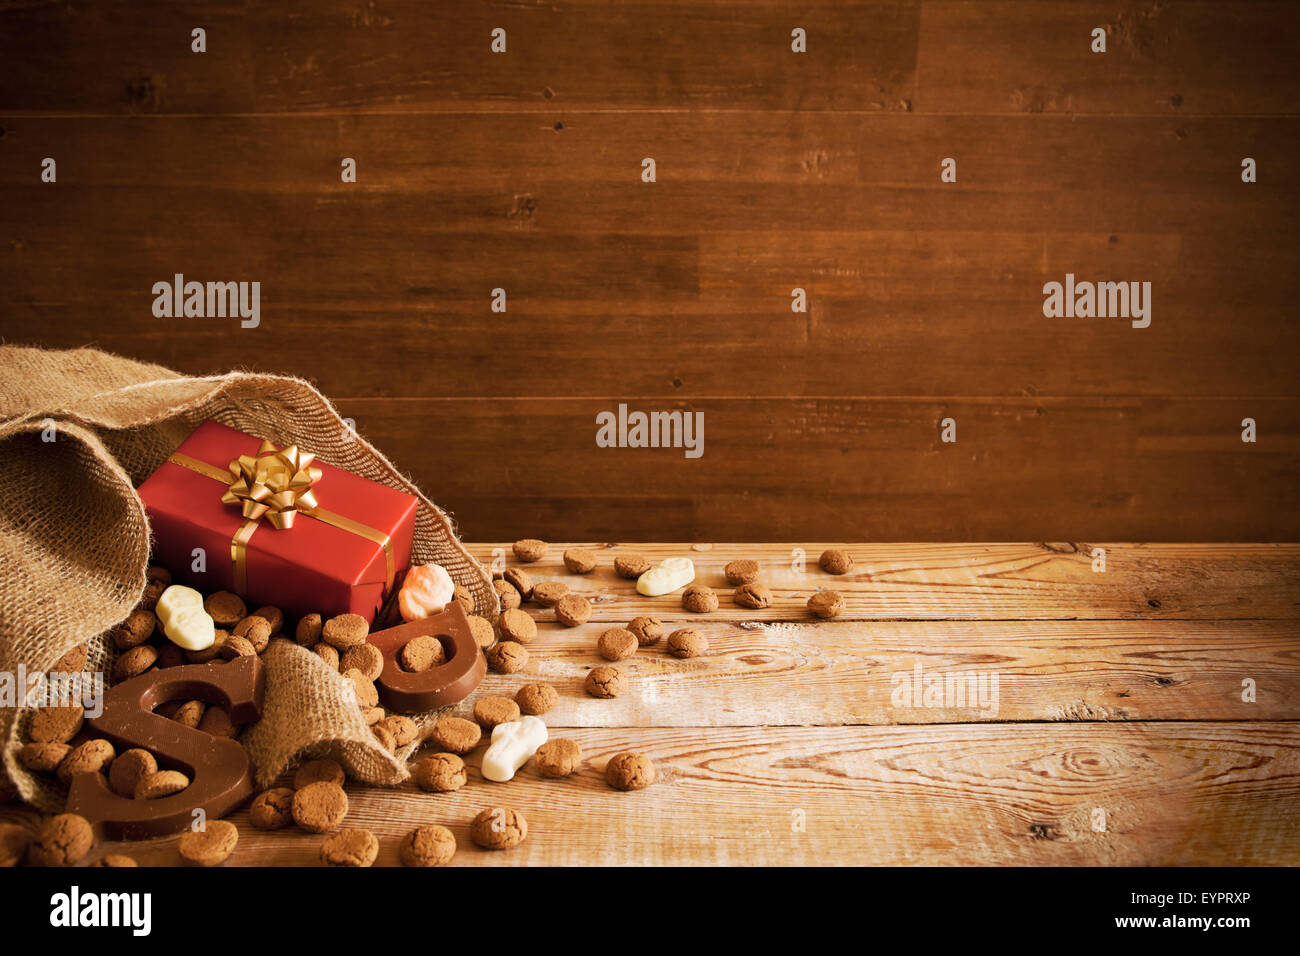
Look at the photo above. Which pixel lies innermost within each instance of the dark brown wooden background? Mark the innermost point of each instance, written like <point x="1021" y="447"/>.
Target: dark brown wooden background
<point x="775" y="170"/>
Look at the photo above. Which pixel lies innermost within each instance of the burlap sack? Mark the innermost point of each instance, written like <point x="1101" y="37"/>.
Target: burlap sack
<point x="74" y="536"/>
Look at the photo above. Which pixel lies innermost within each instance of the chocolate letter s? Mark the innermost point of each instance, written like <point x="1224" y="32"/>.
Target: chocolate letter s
<point x="221" y="775"/>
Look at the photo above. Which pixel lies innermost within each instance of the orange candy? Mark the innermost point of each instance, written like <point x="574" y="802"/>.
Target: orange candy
<point x="427" y="590"/>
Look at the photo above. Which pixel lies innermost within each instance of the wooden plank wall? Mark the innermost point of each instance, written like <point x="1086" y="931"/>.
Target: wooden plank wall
<point x="775" y="170"/>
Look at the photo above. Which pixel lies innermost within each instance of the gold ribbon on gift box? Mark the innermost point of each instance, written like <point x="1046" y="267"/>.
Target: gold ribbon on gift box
<point x="277" y="484"/>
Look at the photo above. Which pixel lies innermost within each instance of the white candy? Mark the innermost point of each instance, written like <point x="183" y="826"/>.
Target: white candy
<point x="513" y="743"/>
<point x="186" y="624"/>
<point x="668" y="575"/>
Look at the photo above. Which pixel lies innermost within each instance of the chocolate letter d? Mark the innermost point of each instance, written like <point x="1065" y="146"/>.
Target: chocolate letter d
<point x="410" y="692"/>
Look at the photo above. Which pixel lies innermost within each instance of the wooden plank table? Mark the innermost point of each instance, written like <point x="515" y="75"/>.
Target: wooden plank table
<point x="1119" y="735"/>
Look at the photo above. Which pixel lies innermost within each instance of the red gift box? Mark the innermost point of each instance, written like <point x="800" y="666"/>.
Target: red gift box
<point x="348" y="545"/>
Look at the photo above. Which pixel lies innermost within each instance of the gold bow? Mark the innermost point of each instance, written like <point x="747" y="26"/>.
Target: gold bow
<point x="286" y="476"/>
<point x="276" y="483"/>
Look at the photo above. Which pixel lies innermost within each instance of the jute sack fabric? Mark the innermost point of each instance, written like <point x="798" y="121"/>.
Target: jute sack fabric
<point x="74" y="535"/>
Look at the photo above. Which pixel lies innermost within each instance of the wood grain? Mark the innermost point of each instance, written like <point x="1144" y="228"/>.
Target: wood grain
<point x="1093" y="435"/>
<point x="1025" y="794"/>
<point x="1174" y="58"/>
<point x="775" y="171"/>
<point x="785" y="469"/>
<point x="418" y="57"/>
<point x="830" y="673"/>
<point x="960" y="582"/>
<point x="408" y="56"/>
<point x="901" y="272"/>
<point x="769" y="748"/>
<point x="117" y="58"/>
